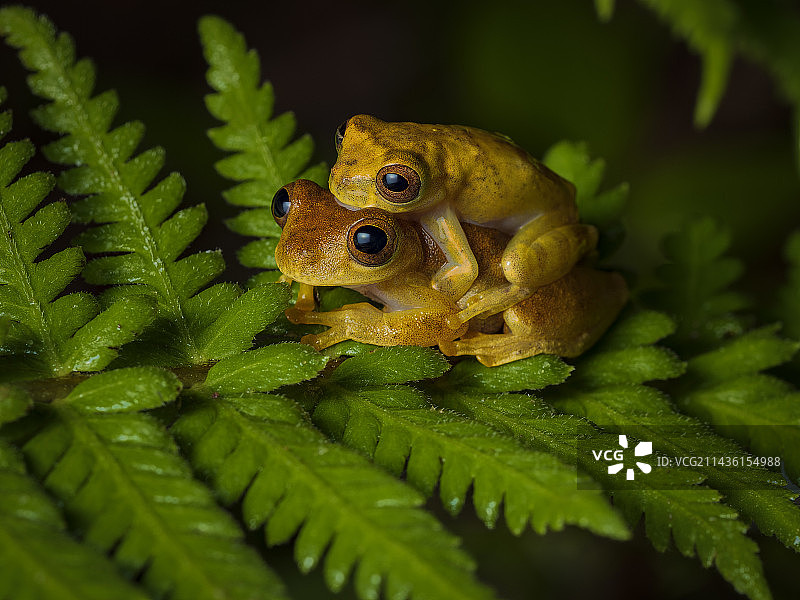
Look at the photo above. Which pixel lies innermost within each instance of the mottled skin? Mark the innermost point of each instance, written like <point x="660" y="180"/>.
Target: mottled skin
<point x="564" y="317"/>
<point x="468" y="176"/>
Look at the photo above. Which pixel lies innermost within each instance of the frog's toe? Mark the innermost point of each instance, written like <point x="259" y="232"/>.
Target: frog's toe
<point x="448" y="348"/>
<point x="320" y="341"/>
<point x="298" y="316"/>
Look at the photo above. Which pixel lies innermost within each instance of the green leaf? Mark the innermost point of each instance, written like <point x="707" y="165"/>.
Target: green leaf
<point x="264" y="159"/>
<point x="646" y="414"/>
<point x="605" y="9"/>
<point x="402" y="431"/>
<point x="337" y="504"/>
<point x="726" y="388"/>
<point x="531" y="373"/>
<point x="38" y="559"/>
<point x="694" y="284"/>
<point x="124" y="487"/>
<point x="764" y="32"/>
<point x="96" y="344"/>
<point x="14" y="403"/>
<point x="124" y="390"/>
<point x="233" y="331"/>
<point x="259" y="254"/>
<point x="141" y="224"/>
<point x="265" y="369"/>
<point x="395" y="364"/>
<point x="746" y="354"/>
<point x="724" y="385"/>
<point x="710" y="28"/>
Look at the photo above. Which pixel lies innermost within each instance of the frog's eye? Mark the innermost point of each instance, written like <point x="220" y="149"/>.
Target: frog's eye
<point x="371" y="241"/>
<point x="338" y="137"/>
<point x="398" y="183"/>
<point x="281" y="203"/>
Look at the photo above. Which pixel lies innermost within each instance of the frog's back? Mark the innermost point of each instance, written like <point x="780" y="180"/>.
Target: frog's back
<point x="503" y="186"/>
<point x="485" y="177"/>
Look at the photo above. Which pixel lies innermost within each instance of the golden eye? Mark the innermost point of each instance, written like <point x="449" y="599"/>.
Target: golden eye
<point x="281" y="203"/>
<point x="338" y="137"/>
<point x="371" y="241"/>
<point x="398" y="183"/>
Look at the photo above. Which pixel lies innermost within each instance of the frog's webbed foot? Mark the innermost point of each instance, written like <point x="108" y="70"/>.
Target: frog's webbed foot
<point x="493" y="349"/>
<point x="343" y="322"/>
<point x="320" y="341"/>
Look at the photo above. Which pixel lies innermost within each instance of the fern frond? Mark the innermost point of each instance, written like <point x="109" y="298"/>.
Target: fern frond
<point x="38" y="559"/>
<point x="604" y="209"/>
<point x="695" y="285"/>
<point x="136" y="218"/>
<point x="261" y="450"/>
<point x="672" y="502"/>
<point x="724" y="385"/>
<point x="262" y="160"/>
<point x="364" y="407"/>
<point x="623" y="406"/>
<point x="46" y="333"/>
<point x="126" y="490"/>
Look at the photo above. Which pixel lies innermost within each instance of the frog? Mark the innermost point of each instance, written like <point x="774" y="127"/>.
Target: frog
<point x="391" y="261"/>
<point x="444" y="175"/>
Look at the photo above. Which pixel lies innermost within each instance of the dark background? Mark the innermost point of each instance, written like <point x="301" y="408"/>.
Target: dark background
<point x="539" y="71"/>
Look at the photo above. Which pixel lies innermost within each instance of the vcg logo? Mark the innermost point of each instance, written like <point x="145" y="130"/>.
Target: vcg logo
<point x="618" y="457"/>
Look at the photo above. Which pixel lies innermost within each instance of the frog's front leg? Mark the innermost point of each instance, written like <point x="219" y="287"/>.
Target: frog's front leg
<point x="364" y="323"/>
<point x="533" y="258"/>
<point x="305" y="294"/>
<point x="460" y="269"/>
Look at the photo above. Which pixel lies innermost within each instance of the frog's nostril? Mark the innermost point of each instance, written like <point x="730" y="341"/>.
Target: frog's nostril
<point x="281" y="203"/>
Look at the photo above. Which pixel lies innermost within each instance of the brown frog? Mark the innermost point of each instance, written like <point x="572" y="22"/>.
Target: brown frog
<point x="392" y="261"/>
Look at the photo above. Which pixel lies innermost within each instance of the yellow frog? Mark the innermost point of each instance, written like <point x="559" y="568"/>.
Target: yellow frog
<point x="392" y="260"/>
<point x="446" y="175"/>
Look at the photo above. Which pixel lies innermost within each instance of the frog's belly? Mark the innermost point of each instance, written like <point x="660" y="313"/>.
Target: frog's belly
<point x="389" y="303"/>
<point x="509" y="224"/>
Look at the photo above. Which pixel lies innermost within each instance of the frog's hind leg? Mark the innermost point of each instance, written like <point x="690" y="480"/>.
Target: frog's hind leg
<point x="520" y="339"/>
<point x="493" y="349"/>
<point x="533" y="258"/>
<point x="563" y="318"/>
